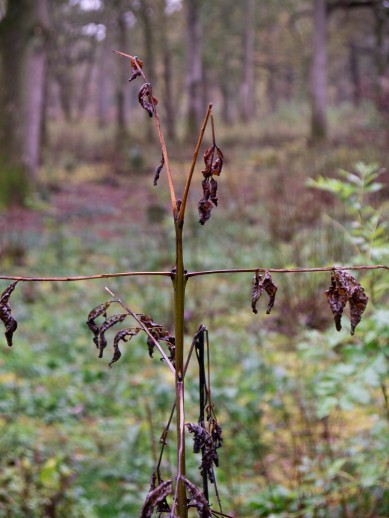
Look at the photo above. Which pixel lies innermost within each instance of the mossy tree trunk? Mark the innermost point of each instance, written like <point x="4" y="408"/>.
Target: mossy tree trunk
<point x="23" y="36"/>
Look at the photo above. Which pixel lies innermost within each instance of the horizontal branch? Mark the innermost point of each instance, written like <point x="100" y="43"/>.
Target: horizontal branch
<point x="288" y="270"/>
<point x="81" y="277"/>
<point x="190" y="274"/>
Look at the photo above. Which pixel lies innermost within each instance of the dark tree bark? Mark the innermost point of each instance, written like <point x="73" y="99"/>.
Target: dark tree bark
<point x="248" y="85"/>
<point x="319" y="98"/>
<point x="194" y="71"/>
<point x="23" y="35"/>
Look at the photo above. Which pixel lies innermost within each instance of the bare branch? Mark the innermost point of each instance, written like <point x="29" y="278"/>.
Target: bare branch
<point x="288" y="270"/>
<point x="82" y="277"/>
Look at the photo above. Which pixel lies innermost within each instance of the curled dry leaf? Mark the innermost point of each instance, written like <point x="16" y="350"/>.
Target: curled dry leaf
<point x="155" y="498"/>
<point x="209" y="184"/>
<point x="259" y="285"/>
<point x="107" y="324"/>
<point x="205" y="207"/>
<point x="197" y="499"/>
<point x="5" y="313"/>
<point x="158" y="170"/>
<point x="135" y="70"/>
<point x="96" y="312"/>
<point x="124" y="334"/>
<point x="146" y="99"/>
<point x="345" y="288"/>
<point x="204" y="442"/>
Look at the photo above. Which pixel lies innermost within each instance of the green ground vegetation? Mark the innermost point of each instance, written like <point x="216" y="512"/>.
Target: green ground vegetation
<point x="304" y="408"/>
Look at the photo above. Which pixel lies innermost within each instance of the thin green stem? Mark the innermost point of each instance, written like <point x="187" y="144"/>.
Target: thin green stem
<point x="179" y="283"/>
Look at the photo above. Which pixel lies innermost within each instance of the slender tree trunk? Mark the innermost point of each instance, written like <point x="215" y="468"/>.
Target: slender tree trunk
<point x="23" y="35"/>
<point x="248" y="85"/>
<point x="194" y="67"/>
<point x="146" y="14"/>
<point x="104" y="80"/>
<point x="167" y="73"/>
<point x="319" y="73"/>
<point x="121" y="84"/>
<point x="355" y="74"/>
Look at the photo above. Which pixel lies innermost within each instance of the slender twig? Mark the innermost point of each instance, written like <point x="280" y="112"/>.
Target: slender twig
<point x="82" y="277"/>
<point x="216" y="513"/>
<point x="181" y="213"/>
<point x="141" y="324"/>
<point x="288" y="270"/>
<point x="160" y="134"/>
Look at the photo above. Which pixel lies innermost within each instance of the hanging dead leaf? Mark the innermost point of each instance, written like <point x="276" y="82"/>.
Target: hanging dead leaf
<point x="203" y="441"/>
<point x="107" y="324"/>
<point x="345" y="288"/>
<point x="213" y="191"/>
<point x="124" y="334"/>
<point x="213" y="167"/>
<point x="156" y="497"/>
<point x="197" y="499"/>
<point x="205" y="207"/>
<point x="146" y="99"/>
<point x="158" y="170"/>
<point x="135" y="70"/>
<point x="5" y="313"/>
<point x="96" y="312"/>
<point x="259" y="285"/>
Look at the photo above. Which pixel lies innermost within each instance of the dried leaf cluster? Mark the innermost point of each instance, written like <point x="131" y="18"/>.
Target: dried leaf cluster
<point x="259" y="285"/>
<point x="5" y="313"/>
<point x="345" y="288"/>
<point x="156" y="499"/>
<point x="146" y="99"/>
<point x="160" y="333"/>
<point x="213" y="167"/>
<point x="207" y="444"/>
<point x="136" y="64"/>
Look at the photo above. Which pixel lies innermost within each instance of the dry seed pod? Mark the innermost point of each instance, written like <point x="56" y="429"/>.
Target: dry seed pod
<point x="197" y="499"/>
<point x="158" y="170"/>
<point x="146" y="99"/>
<point x="135" y="71"/>
<point x="107" y="324"/>
<point x="156" y="497"/>
<point x="124" y="334"/>
<point x="101" y="309"/>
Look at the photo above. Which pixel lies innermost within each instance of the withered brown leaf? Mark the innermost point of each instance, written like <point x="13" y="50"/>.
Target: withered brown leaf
<point x="197" y="499"/>
<point x="96" y="312"/>
<point x="158" y="170"/>
<point x="124" y="334"/>
<point x="107" y="324"/>
<point x="155" y="497"/>
<point x="259" y="285"/>
<point x="213" y="167"/>
<point x="205" y="207"/>
<point x="345" y="288"/>
<point x="135" y="71"/>
<point x="146" y="99"/>
<point x="204" y="442"/>
<point x="5" y="313"/>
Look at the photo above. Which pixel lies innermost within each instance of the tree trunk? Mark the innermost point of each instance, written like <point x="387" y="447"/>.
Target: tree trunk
<point x="319" y="73"/>
<point x="167" y="73"/>
<point x="23" y="35"/>
<point x="355" y="74"/>
<point x="248" y="85"/>
<point x="194" y="68"/>
<point x="121" y="85"/>
<point x="104" y="80"/>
